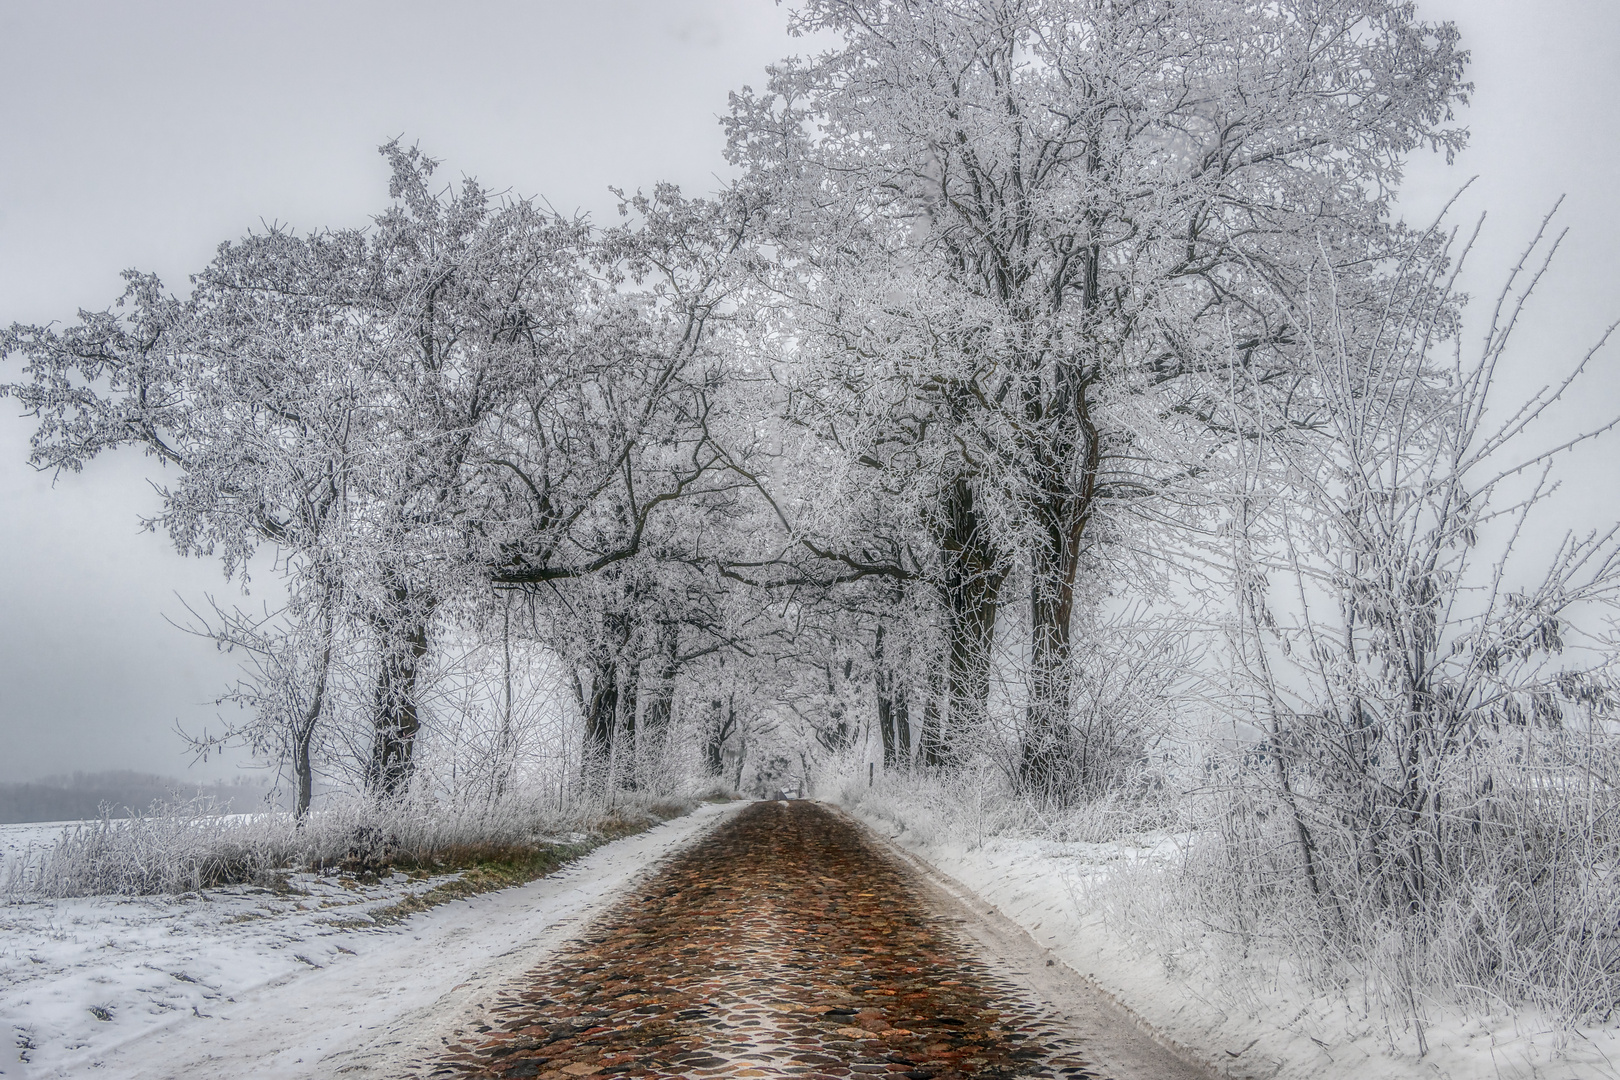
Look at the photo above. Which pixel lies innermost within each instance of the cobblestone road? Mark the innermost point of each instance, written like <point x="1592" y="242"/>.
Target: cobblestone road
<point x="782" y="944"/>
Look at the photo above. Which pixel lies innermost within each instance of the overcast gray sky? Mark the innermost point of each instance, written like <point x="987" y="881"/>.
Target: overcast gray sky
<point x="144" y="133"/>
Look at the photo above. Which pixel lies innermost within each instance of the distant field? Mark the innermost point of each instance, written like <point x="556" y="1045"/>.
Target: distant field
<point x="19" y="838"/>
<point x="83" y="795"/>
<point x="16" y="840"/>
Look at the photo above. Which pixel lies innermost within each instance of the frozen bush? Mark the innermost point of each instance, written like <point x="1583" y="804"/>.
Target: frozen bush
<point x="184" y="847"/>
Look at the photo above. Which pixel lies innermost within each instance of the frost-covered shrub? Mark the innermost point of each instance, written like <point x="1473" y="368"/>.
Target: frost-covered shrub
<point x="1421" y="785"/>
<point x="980" y="802"/>
<point x="1510" y="893"/>
<point x="185" y="847"/>
<point x="175" y="848"/>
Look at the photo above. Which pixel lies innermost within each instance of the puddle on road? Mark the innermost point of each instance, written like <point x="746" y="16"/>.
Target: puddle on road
<point x="782" y="944"/>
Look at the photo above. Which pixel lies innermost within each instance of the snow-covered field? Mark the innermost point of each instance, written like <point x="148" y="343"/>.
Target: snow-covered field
<point x="18" y="842"/>
<point x="1241" y="1015"/>
<point x="244" y="980"/>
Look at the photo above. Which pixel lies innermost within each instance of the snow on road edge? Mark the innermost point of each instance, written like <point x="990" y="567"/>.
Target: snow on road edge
<point x="1243" y="1026"/>
<point x="1116" y="1040"/>
<point x="383" y="997"/>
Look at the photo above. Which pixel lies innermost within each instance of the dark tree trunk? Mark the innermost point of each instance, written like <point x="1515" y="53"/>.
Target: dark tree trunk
<point x="902" y="727"/>
<point x="655" y="722"/>
<point x="1065" y="476"/>
<point x="506" y="749"/>
<point x="601" y="713"/>
<point x="720" y="724"/>
<point x="607" y="666"/>
<point x="884" y="681"/>
<point x="404" y="645"/>
<point x="626" y="742"/>
<point x="742" y="740"/>
<point x="836" y="734"/>
<point x="885" y="718"/>
<point x="972" y="591"/>
<point x="1048" y="751"/>
<point x="303" y="772"/>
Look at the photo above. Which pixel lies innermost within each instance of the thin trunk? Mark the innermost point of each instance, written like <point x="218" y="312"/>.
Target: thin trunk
<point x="1302" y="835"/>
<point x="507" y="749"/>
<point x="883" y="683"/>
<point x="931" y="754"/>
<point x="625" y="741"/>
<point x="660" y="711"/>
<point x="1250" y="601"/>
<point x="902" y="726"/>
<point x="303" y="773"/>
<point x="742" y="739"/>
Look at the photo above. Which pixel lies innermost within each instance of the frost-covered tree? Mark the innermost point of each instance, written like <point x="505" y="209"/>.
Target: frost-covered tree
<point x="266" y="446"/>
<point x="323" y="394"/>
<point x="607" y="488"/>
<point x="1028" y="228"/>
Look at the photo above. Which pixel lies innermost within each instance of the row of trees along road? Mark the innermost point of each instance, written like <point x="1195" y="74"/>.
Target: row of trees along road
<point x="463" y="396"/>
<point x="999" y="296"/>
<point x="1017" y="245"/>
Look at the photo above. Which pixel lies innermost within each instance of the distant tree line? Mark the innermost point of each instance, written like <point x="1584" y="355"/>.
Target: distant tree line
<point x="119" y="793"/>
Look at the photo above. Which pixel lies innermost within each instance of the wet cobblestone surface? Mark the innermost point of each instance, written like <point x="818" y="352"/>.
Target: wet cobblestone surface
<point x="782" y="944"/>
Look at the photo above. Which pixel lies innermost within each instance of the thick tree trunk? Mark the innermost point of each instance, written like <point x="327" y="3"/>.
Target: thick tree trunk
<point x="601" y="713"/>
<point x="404" y="645"/>
<point x="1048" y="751"/>
<point x="720" y="724"/>
<point x="660" y="709"/>
<point x="608" y="670"/>
<point x="885" y="719"/>
<point x="1065" y="476"/>
<point x="972" y="592"/>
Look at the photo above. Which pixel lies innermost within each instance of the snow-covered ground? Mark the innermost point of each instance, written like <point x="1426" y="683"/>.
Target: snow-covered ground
<point x="20" y="843"/>
<point x="1245" y="1017"/>
<point x="246" y="981"/>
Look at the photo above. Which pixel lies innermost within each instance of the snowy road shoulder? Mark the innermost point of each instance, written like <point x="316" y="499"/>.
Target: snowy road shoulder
<point x="1116" y="1040"/>
<point x="1245" y="1019"/>
<point x="251" y="981"/>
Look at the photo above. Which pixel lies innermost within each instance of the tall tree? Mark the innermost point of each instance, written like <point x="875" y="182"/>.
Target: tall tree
<point x="1041" y="217"/>
<point x="604" y="472"/>
<point x="324" y="394"/>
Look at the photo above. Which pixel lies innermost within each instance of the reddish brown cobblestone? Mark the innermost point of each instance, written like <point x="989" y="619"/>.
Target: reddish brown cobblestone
<point x="783" y="944"/>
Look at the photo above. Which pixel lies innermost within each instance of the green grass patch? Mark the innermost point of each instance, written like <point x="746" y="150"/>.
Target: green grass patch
<point x="482" y="868"/>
